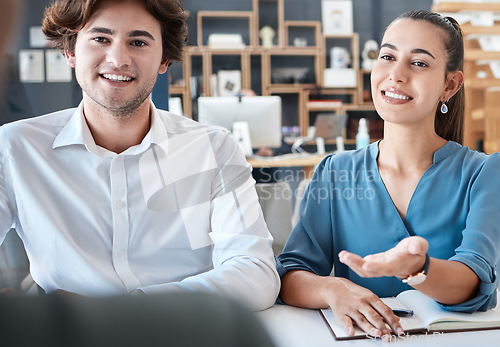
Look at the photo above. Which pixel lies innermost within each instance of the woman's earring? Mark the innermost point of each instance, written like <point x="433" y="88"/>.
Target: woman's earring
<point x="444" y="108"/>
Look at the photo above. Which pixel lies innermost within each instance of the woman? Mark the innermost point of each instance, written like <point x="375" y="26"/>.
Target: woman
<point x="416" y="209"/>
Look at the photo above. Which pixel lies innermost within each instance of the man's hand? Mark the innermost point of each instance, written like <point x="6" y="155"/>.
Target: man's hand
<point x="66" y="294"/>
<point x="10" y="292"/>
<point x="408" y="257"/>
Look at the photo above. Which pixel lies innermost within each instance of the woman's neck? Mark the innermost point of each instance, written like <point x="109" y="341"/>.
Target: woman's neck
<point x="408" y="149"/>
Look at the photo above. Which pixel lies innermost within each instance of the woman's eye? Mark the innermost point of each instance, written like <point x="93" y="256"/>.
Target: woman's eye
<point x="420" y="64"/>
<point x="386" y="57"/>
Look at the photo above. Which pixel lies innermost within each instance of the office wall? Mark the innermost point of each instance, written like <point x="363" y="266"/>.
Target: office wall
<point x="24" y="100"/>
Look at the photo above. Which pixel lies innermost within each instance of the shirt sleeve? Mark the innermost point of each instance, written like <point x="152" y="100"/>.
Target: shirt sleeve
<point x="243" y="262"/>
<point x="310" y="245"/>
<point x="6" y="215"/>
<point x="479" y="249"/>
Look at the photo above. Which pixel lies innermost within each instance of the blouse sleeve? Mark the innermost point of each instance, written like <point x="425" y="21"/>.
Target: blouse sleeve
<point x="309" y="246"/>
<point x="479" y="249"/>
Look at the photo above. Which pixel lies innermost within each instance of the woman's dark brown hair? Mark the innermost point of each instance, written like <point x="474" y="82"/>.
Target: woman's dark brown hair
<point x="65" y="18"/>
<point x="449" y="125"/>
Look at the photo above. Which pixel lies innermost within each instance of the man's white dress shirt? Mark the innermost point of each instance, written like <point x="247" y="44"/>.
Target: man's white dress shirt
<point x="177" y="212"/>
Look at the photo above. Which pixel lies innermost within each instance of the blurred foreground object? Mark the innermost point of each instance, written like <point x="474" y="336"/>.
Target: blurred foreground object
<point x="174" y="319"/>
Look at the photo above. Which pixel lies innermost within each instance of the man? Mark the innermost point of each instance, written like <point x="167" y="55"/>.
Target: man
<point x="119" y="197"/>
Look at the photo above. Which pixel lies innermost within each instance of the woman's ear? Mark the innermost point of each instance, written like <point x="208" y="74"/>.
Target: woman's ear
<point x="454" y="83"/>
<point x="70" y="58"/>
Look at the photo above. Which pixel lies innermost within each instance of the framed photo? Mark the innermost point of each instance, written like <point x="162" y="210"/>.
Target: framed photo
<point x="229" y="82"/>
<point x="337" y="17"/>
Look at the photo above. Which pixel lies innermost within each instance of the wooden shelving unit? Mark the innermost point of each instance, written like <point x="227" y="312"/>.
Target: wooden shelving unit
<point x="481" y="122"/>
<point x="315" y="51"/>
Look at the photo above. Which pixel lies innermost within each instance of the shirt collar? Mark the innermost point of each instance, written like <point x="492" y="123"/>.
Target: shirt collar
<point x="442" y="153"/>
<point x="77" y="132"/>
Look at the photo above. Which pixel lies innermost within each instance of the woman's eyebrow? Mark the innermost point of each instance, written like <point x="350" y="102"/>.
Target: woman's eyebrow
<point x="414" y="51"/>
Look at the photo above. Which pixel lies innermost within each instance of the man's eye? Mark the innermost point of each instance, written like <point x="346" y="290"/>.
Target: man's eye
<point x="139" y="43"/>
<point x="100" y="39"/>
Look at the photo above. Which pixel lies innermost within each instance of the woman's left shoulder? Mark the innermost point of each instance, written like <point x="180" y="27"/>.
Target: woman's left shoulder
<point x="476" y="159"/>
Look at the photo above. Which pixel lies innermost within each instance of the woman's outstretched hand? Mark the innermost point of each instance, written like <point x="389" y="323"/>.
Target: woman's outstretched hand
<point x="406" y="258"/>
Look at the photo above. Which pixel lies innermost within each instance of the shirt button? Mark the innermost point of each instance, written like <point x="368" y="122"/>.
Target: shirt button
<point x="121" y="254"/>
<point x="120" y="205"/>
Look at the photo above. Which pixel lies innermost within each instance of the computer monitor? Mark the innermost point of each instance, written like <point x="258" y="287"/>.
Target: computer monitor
<point x="262" y="113"/>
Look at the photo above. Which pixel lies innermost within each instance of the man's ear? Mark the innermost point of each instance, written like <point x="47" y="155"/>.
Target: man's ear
<point x="163" y="66"/>
<point x="455" y="81"/>
<point x="70" y="58"/>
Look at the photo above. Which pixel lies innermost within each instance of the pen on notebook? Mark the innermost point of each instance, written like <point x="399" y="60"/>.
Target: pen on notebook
<point x="402" y="312"/>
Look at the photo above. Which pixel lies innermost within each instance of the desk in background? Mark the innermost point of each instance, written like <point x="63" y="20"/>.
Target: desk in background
<point x="308" y="163"/>
<point x="298" y="327"/>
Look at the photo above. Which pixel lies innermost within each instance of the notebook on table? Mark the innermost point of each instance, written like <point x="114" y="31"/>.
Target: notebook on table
<point x="428" y="317"/>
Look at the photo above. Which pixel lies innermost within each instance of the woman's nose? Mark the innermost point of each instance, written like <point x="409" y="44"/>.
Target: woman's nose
<point x="398" y="72"/>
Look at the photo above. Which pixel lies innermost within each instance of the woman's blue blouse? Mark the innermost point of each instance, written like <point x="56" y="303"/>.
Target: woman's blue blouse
<point x="455" y="207"/>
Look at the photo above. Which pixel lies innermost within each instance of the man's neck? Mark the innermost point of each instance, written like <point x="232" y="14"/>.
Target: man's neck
<point x="118" y="132"/>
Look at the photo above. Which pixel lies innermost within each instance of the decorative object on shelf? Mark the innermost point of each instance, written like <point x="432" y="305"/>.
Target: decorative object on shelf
<point x="229" y="82"/>
<point x="340" y="78"/>
<point x="337" y="16"/>
<point x="300" y="42"/>
<point x="339" y="75"/>
<point x="286" y="75"/>
<point x="367" y="96"/>
<point x="362" y="137"/>
<point x="369" y="54"/>
<point x="267" y="35"/>
<point x="340" y="58"/>
<point x="225" y="41"/>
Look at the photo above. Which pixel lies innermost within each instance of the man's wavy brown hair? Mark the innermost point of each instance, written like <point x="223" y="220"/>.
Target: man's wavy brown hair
<point x="63" y="20"/>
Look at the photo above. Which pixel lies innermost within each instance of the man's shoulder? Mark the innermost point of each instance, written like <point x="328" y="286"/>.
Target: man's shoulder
<point x="55" y="120"/>
<point x="176" y="124"/>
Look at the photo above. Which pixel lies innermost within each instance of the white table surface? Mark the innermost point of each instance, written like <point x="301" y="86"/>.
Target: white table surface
<point x="297" y="327"/>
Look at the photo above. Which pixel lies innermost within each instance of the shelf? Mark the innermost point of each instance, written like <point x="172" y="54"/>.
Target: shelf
<point x="365" y="107"/>
<point x="316" y="26"/>
<point x="469" y="29"/>
<point x="478" y="54"/>
<point x="302" y="51"/>
<point x="288" y="88"/>
<point x="176" y="89"/>
<point x="202" y="61"/>
<point x="228" y="15"/>
<point x="466" y="6"/>
<point x="478" y="77"/>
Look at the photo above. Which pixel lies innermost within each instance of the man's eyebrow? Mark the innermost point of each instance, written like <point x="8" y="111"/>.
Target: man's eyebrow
<point x="100" y="30"/>
<point x="134" y="33"/>
<point x="144" y="33"/>
<point x="414" y="51"/>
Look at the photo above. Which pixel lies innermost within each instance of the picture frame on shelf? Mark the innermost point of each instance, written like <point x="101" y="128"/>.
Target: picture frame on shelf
<point x="337" y="17"/>
<point x="229" y="82"/>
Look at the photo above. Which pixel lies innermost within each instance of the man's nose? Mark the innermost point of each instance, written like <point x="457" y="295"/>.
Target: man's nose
<point x="118" y="54"/>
